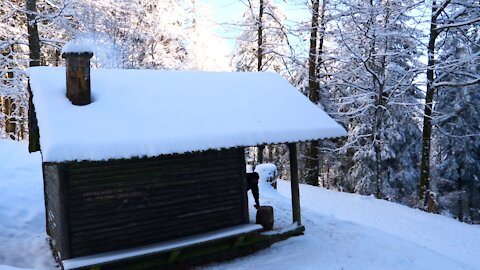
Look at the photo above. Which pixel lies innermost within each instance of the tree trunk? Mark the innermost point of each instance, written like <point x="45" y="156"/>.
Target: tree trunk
<point x="322" y="28"/>
<point x="470" y="206"/>
<point x="424" y="188"/>
<point x="21" y="123"/>
<point x="57" y="58"/>
<point x="33" y="38"/>
<point x="460" y="186"/>
<point x="34" y="46"/>
<point x="10" y="123"/>
<point x="260" y="149"/>
<point x="311" y="155"/>
<point x="8" y="103"/>
<point x="376" y="143"/>
<point x="380" y="104"/>
<point x="260" y="65"/>
<point x="313" y="91"/>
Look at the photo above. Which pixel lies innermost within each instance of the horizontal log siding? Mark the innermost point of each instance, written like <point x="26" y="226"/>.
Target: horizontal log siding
<point x="121" y="204"/>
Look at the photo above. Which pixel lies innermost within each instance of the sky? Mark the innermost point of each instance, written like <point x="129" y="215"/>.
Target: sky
<point x="221" y="13"/>
<point x="225" y="13"/>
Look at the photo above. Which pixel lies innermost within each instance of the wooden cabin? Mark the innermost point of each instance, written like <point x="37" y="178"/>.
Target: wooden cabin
<point x="140" y="163"/>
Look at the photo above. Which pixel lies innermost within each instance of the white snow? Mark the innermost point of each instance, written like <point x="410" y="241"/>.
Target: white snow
<point x="23" y="241"/>
<point x="150" y="113"/>
<point x="351" y="231"/>
<point x="161" y="247"/>
<point x="76" y="46"/>
<point x="343" y="231"/>
<point x="268" y="174"/>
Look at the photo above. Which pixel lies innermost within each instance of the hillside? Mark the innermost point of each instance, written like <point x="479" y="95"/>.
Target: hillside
<point x="343" y="231"/>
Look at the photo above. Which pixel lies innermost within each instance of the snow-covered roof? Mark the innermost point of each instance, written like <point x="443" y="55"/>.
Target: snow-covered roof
<point x="138" y="113"/>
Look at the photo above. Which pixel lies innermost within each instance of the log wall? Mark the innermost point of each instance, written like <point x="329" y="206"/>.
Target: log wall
<point x="119" y="204"/>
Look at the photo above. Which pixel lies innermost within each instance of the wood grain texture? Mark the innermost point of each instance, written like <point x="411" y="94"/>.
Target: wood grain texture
<point x="119" y="204"/>
<point x="56" y="208"/>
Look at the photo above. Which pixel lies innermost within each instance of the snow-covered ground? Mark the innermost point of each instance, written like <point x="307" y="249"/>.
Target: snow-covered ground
<point x="22" y="210"/>
<point x="343" y="231"/>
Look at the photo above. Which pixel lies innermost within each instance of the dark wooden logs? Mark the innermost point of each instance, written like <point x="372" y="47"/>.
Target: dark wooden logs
<point x="55" y="187"/>
<point x="119" y="204"/>
<point x="292" y="148"/>
<point x="78" y="77"/>
<point x="33" y="132"/>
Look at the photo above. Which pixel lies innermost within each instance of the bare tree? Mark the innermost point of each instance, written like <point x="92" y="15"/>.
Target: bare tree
<point x="311" y="151"/>
<point x="259" y="59"/>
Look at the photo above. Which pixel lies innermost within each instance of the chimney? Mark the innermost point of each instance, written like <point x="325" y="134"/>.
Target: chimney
<point x="78" y="76"/>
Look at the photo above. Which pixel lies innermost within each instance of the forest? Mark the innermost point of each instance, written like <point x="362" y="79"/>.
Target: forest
<point x="402" y="76"/>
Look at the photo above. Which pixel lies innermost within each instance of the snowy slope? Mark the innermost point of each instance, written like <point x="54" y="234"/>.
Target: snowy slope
<point x="350" y="231"/>
<point x="343" y="231"/>
<point x="22" y="216"/>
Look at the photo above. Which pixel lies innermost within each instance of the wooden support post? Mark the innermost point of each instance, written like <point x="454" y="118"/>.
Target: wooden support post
<point x="243" y="180"/>
<point x="292" y="149"/>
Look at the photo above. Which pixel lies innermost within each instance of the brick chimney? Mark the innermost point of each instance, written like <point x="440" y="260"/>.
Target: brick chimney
<point x="78" y="76"/>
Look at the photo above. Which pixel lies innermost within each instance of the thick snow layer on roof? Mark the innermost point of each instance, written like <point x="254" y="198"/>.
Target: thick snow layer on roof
<point x="150" y="113"/>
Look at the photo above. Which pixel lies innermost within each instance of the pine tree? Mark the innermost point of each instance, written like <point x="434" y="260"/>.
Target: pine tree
<point x="446" y="16"/>
<point x="375" y="91"/>
<point x="456" y="132"/>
